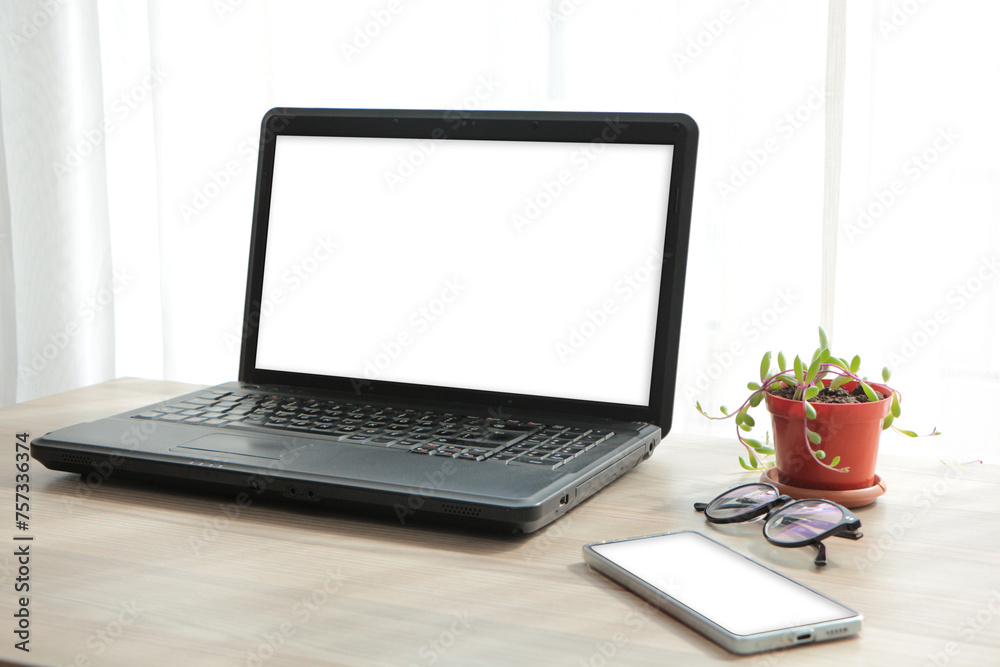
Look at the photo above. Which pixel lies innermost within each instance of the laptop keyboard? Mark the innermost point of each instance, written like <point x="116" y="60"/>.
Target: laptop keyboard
<point x="419" y="432"/>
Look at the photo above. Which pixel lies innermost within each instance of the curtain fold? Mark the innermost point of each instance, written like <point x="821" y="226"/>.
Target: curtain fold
<point x="836" y="56"/>
<point x="8" y="330"/>
<point x="60" y="246"/>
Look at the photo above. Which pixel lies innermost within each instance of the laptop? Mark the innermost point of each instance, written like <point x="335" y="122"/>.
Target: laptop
<point x="459" y="316"/>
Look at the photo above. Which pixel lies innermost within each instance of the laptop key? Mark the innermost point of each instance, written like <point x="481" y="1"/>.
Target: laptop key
<point x="245" y="425"/>
<point x="322" y="426"/>
<point x="429" y="433"/>
<point x="533" y="460"/>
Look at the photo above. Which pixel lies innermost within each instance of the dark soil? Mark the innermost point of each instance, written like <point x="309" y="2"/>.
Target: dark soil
<point x="839" y="395"/>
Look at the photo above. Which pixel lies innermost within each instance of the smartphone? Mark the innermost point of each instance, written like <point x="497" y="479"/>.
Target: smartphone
<point x="743" y="606"/>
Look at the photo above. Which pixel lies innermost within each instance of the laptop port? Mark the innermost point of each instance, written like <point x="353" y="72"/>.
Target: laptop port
<point x="564" y="500"/>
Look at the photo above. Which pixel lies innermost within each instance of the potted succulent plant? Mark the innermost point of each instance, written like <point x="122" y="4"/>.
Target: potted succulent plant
<point x="826" y="420"/>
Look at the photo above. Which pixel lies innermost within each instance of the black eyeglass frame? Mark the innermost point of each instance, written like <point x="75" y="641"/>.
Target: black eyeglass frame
<point x="848" y="526"/>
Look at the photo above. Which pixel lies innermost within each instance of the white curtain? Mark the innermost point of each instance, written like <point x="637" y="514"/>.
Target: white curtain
<point x="132" y="260"/>
<point x="57" y="301"/>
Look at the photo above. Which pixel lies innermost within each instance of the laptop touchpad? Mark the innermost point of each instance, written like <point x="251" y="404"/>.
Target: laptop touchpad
<point x="243" y="445"/>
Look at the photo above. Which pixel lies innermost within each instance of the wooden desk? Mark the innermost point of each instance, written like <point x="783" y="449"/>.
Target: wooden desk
<point x="131" y="576"/>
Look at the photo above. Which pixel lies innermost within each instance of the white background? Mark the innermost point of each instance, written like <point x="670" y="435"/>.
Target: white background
<point x="473" y="269"/>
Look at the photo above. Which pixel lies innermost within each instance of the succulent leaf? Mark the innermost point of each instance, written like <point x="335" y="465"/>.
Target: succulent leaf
<point x="813" y="369"/>
<point x="869" y="392"/>
<point x="839" y="381"/>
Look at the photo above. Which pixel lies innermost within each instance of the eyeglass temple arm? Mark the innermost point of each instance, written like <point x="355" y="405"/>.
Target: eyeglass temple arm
<point x="700" y="507"/>
<point x="821" y="555"/>
<point x="850" y="534"/>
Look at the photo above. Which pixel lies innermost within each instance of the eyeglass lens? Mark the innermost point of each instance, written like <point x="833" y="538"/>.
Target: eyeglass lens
<point x="802" y="521"/>
<point x="741" y="500"/>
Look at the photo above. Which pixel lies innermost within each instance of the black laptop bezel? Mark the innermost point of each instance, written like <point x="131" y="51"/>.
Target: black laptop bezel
<point x="678" y="130"/>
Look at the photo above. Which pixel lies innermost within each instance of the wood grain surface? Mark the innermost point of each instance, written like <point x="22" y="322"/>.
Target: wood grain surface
<point x="128" y="575"/>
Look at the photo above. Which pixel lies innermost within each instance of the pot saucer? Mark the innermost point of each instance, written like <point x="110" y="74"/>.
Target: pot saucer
<point x="849" y="498"/>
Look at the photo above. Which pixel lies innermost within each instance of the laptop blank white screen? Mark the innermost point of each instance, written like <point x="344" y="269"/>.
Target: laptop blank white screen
<point x="522" y="267"/>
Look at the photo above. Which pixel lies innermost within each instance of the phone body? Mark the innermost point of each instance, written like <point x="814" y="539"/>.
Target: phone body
<point x="743" y="606"/>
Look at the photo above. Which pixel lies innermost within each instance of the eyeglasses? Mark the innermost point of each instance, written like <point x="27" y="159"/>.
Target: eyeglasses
<point x="785" y="525"/>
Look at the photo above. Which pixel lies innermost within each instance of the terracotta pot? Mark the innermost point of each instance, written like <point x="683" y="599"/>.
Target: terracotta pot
<point x="850" y="431"/>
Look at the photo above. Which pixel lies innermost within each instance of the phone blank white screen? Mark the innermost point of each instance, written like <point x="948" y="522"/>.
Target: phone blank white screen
<point x="522" y="267"/>
<point x="721" y="585"/>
